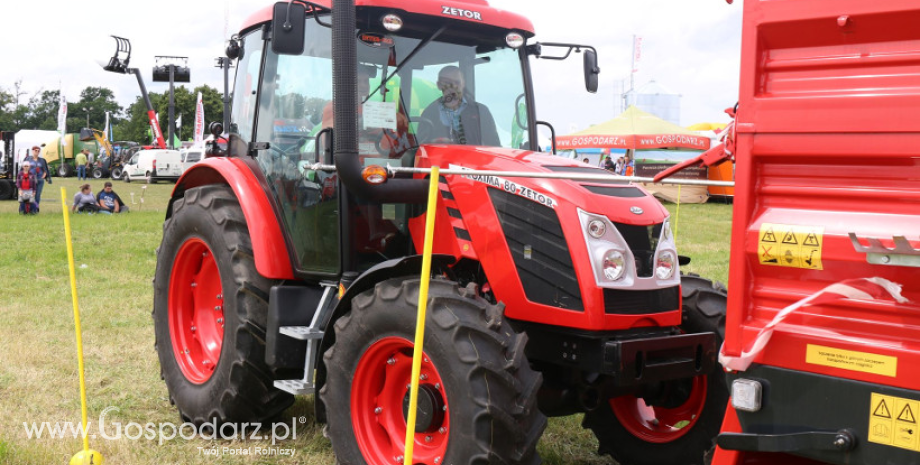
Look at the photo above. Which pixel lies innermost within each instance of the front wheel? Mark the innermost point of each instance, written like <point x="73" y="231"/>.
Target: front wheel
<point x="210" y="310"/>
<point x="98" y="173"/>
<point x="477" y="393"/>
<point x="117" y="173"/>
<point x="679" y="424"/>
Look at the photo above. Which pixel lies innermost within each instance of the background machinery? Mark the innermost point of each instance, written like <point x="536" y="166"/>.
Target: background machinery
<point x="280" y="275"/>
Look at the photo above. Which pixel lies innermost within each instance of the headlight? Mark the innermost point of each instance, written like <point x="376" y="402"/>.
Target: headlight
<point x="597" y="228"/>
<point x="614" y="265"/>
<point x="664" y="266"/>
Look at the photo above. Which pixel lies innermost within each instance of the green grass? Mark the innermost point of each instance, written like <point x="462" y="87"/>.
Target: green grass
<point x="115" y="259"/>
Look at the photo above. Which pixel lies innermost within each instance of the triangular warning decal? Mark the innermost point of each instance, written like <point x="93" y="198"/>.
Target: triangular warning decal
<point x="789" y="238"/>
<point x="882" y="410"/>
<point x="907" y="414"/>
<point x="768" y="236"/>
<point x="811" y="240"/>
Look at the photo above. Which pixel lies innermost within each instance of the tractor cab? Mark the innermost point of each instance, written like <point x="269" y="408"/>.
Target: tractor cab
<point x="448" y="78"/>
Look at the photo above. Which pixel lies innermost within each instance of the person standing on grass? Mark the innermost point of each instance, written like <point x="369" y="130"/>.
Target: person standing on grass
<point x="109" y="201"/>
<point x="80" y="160"/>
<point x="25" y="182"/>
<point x="40" y="166"/>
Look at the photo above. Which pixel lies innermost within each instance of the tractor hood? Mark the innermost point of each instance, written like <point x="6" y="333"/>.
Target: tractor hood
<point x="614" y="199"/>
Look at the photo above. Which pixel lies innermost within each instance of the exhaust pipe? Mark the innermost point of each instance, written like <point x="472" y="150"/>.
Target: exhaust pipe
<point x="345" y="118"/>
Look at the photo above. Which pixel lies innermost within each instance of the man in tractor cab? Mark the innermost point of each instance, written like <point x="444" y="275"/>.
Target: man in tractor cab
<point x="455" y="117"/>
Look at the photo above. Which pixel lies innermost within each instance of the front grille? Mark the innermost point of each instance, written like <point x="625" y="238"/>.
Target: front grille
<point x="626" y="302"/>
<point x="534" y="236"/>
<point x="642" y="241"/>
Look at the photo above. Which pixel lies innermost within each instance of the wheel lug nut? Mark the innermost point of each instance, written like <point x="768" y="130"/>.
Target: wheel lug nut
<point x="428" y="438"/>
<point x="220" y="320"/>
<point x="391" y="361"/>
<point x="217" y="308"/>
<point x="437" y="385"/>
<point x="194" y="284"/>
<point x="194" y="329"/>
<point x="220" y="296"/>
<point x="444" y="408"/>
<point x="399" y="459"/>
<point x="437" y="460"/>
<point x="423" y="377"/>
<point x="442" y="430"/>
<point x="186" y="351"/>
<point x="377" y="411"/>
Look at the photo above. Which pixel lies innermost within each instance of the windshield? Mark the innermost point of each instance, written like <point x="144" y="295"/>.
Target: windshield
<point x="412" y="91"/>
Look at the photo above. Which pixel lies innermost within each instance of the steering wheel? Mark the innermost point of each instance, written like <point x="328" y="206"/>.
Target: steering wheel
<point x="426" y="131"/>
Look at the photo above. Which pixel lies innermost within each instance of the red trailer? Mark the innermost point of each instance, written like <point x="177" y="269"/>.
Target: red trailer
<point x="826" y="143"/>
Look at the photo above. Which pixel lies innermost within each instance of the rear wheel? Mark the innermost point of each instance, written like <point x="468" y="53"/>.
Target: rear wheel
<point x="680" y="425"/>
<point x="477" y="395"/>
<point x="127" y="177"/>
<point x="150" y="179"/>
<point x="210" y="308"/>
<point x="65" y="170"/>
<point x="117" y="173"/>
<point x="98" y="173"/>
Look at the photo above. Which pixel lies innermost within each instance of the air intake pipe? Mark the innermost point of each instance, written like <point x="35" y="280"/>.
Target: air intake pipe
<point x="345" y="118"/>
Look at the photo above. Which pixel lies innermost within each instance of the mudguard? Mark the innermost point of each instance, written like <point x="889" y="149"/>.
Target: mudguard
<point x="268" y="245"/>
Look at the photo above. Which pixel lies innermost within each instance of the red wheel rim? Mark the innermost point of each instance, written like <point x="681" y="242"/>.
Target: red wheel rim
<point x="196" y="314"/>
<point x="377" y="393"/>
<point x="658" y="424"/>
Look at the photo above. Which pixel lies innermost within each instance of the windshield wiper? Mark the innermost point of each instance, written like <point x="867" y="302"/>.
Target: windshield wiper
<point x="409" y="57"/>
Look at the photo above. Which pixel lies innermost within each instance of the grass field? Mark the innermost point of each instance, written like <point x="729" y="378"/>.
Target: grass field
<point x="115" y="259"/>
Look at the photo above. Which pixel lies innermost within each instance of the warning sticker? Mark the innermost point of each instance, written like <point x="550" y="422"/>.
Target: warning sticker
<point x="791" y="246"/>
<point x="865" y="362"/>
<point x="893" y="422"/>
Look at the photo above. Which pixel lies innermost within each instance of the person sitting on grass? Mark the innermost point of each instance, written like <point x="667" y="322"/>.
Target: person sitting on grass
<point x="109" y="201"/>
<point x="84" y="201"/>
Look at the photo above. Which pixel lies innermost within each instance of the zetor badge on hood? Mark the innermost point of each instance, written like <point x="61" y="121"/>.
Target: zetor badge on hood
<point x="461" y="13"/>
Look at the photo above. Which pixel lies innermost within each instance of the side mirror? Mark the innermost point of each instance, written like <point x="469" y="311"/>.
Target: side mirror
<point x="591" y="70"/>
<point x="216" y="128"/>
<point x="288" y="25"/>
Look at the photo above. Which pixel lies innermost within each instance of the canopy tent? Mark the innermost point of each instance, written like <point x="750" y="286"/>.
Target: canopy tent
<point x="637" y="130"/>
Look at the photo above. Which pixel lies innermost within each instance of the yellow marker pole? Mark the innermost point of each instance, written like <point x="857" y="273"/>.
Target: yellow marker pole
<point x="422" y="310"/>
<point x="87" y="455"/>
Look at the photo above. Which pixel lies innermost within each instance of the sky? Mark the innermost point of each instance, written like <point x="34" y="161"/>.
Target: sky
<point x="689" y="47"/>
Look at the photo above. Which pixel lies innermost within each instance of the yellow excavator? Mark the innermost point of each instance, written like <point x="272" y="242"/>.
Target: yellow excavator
<point x="107" y="165"/>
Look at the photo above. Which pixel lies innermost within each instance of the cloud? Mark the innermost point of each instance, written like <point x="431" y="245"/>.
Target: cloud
<point x="689" y="47"/>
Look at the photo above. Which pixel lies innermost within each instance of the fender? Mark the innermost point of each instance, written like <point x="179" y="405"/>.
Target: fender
<point x="409" y="266"/>
<point x="268" y="244"/>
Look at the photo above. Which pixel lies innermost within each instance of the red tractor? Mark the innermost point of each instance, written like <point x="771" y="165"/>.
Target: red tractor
<point x="280" y="276"/>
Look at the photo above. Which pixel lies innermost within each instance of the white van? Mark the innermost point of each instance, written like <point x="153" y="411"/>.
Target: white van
<point x="190" y="156"/>
<point x="154" y="165"/>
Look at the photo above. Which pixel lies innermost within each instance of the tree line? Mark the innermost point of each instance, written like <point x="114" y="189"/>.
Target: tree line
<point x="40" y="111"/>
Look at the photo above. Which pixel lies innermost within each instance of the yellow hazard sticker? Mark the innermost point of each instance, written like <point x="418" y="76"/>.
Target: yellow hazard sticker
<point x="865" y="362"/>
<point x="893" y="422"/>
<point x="790" y="246"/>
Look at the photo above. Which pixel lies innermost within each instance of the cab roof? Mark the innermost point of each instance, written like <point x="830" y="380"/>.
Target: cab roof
<point x="475" y="11"/>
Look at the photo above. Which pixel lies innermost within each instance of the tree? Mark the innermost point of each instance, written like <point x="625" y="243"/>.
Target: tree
<point x="94" y="101"/>
<point x="43" y="110"/>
